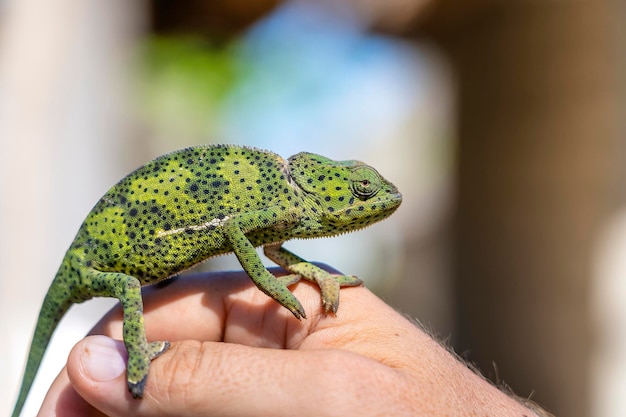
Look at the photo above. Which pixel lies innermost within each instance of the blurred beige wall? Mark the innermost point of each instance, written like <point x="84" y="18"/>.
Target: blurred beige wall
<point x="539" y="176"/>
<point x="63" y="125"/>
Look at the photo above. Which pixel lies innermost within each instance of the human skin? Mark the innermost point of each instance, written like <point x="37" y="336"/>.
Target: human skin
<point x="368" y="360"/>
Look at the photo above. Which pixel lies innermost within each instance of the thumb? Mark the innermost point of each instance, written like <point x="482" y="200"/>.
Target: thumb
<point x="212" y="378"/>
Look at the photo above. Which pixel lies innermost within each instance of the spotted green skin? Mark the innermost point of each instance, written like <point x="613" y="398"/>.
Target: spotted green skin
<point x="194" y="203"/>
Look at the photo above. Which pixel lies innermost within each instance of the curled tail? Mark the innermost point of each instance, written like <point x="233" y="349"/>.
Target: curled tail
<point x="56" y="303"/>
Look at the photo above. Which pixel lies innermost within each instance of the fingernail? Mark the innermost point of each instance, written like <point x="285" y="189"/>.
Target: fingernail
<point x="103" y="358"/>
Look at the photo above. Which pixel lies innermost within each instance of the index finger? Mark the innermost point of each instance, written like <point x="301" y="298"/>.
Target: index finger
<point x="226" y="306"/>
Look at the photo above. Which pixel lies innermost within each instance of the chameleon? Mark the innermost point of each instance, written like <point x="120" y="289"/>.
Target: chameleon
<point x="194" y="203"/>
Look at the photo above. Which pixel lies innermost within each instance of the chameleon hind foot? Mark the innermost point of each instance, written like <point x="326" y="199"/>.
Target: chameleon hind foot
<point x="139" y="365"/>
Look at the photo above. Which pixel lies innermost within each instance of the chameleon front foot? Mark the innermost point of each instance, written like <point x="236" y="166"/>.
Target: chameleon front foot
<point x="290" y="302"/>
<point x="329" y="287"/>
<point x="139" y="365"/>
<point x="328" y="283"/>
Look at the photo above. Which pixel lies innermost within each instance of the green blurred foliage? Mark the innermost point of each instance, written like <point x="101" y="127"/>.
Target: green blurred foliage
<point x="181" y="83"/>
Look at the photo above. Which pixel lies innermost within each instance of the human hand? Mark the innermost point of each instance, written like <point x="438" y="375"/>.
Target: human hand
<point x="368" y="360"/>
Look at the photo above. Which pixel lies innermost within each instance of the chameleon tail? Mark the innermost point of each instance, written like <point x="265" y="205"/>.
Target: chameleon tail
<point x="56" y="303"/>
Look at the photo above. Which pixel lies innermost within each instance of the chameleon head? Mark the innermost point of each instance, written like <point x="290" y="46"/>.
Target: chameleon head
<point x="346" y="195"/>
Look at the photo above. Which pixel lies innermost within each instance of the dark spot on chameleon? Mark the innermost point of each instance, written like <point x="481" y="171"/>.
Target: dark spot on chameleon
<point x="327" y="198"/>
<point x="132" y="235"/>
<point x="351" y="201"/>
<point x="338" y="188"/>
<point x="341" y="198"/>
<point x="88" y="263"/>
<point x="331" y="209"/>
<point x="321" y="178"/>
<point x="309" y="181"/>
<point x="194" y="187"/>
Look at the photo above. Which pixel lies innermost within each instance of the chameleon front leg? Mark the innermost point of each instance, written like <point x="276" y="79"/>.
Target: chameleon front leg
<point x="263" y="279"/>
<point x="329" y="283"/>
<point x="127" y="289"/>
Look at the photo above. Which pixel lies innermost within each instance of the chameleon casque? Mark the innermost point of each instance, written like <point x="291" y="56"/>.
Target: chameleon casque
<point x="194" y="203"/>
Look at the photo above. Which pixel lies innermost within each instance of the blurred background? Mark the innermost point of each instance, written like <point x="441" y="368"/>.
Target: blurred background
<point x="502" y="123"/>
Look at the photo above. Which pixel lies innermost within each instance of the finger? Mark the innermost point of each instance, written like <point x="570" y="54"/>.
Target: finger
<point x="63" y="400"/>
<point x="203" y="306"/>
<point x="221" y="306"/>
<point x="206" y="379"/>
<point x="226" y="306"/>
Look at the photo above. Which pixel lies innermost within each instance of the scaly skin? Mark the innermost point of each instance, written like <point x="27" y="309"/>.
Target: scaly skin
<point x="191" y="204"/>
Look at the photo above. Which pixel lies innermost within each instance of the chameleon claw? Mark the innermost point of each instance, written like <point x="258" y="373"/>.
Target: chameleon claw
<point x="136" y="389"/>
<point x="298" y="311"/>
<point x="156" y="349"/>
<point x="330" y="305"/>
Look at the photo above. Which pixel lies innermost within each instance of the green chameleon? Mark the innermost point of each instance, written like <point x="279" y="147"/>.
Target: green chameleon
<point x="194" y="203"/>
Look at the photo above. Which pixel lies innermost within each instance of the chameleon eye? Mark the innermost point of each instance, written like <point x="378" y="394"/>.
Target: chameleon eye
<point x="364" y="182"/>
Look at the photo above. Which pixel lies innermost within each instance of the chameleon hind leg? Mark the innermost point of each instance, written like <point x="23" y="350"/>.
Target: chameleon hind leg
<point x="127" y="289"/>
<point x="329" y="283"/>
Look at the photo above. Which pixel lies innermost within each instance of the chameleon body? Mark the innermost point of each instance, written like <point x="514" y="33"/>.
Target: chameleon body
<point x="194" y="203"/>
